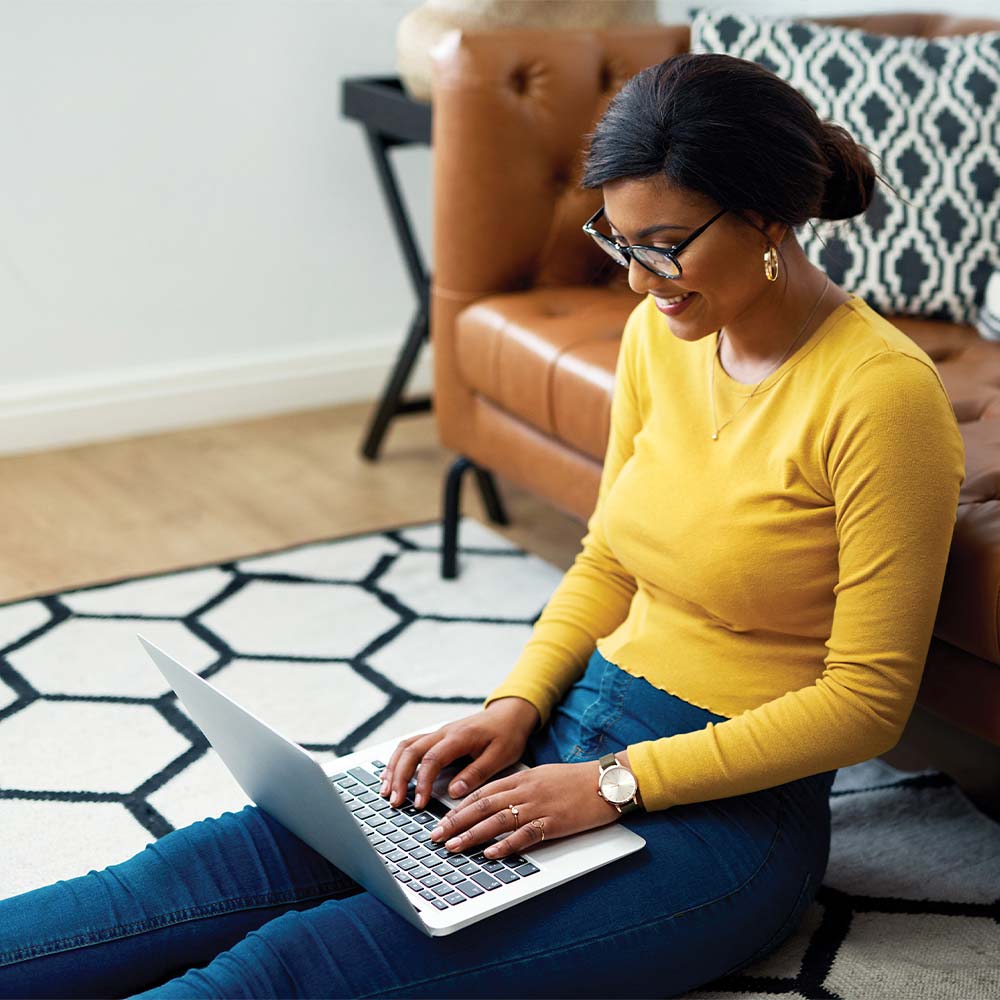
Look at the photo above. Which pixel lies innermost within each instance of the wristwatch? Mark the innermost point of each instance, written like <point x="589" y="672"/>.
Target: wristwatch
<point x="617" y="784"/>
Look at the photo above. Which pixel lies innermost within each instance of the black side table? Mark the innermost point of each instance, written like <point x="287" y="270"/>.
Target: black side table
<point x="392" y="118"/>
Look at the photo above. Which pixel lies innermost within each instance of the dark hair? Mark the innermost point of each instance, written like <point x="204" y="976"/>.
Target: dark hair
<point x="735" y="131"/>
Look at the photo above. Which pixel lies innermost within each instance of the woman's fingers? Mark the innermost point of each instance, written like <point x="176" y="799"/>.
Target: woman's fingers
<point x="480" y="817"/>
<point x="525" y="837"/>
<point x="438" y="756"/>
<point x="402" y="764"/>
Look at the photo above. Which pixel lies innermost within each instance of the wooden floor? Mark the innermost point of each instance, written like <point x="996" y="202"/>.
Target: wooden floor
<point x="95" y="513"/>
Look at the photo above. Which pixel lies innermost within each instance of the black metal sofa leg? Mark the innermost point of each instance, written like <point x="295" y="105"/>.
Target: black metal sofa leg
<point x="452" y="504"/>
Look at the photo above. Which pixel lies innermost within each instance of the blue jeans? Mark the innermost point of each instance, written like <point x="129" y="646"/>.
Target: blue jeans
<point x="238" y="906"/>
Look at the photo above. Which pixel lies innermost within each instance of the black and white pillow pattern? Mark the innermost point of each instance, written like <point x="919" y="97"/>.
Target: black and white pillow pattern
<point x="929" y="111"/>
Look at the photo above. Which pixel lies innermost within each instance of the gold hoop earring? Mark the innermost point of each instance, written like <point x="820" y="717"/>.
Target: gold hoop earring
<point x="771" y="263"/>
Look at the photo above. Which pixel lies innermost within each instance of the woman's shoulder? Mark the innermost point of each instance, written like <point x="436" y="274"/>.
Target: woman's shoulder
<point x="870" y="352"/>
<point x="887" y="393"/>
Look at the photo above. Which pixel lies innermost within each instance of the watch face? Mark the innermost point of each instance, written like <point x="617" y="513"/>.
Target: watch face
<point x="618" y="784"/>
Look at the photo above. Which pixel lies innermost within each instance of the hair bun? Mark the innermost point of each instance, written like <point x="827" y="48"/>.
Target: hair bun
<point x="851" y="182"/>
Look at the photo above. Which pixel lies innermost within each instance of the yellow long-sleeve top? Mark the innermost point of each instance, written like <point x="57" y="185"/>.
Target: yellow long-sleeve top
<point x="786" y="575"/>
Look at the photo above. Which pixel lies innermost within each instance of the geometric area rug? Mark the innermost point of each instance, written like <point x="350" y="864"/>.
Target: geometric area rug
<point x="357" y="639"/>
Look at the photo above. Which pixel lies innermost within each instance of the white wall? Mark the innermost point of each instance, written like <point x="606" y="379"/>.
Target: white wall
<point x="189" y="229"/>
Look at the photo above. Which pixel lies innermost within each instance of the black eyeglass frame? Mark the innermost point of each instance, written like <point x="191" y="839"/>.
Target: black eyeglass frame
<point x="671" y="252"/>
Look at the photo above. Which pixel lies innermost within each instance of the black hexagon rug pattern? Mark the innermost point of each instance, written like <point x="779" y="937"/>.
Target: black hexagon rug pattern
<point x="357" y="639"/>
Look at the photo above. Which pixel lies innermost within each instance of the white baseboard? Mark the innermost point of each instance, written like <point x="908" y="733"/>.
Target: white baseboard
<point x="81" y="409"/>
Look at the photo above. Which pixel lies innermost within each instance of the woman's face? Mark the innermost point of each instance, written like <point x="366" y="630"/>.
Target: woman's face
<point x="722" y="268"/>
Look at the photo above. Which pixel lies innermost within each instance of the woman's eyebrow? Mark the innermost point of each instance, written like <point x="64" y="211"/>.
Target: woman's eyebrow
<point x="649" y="230"/>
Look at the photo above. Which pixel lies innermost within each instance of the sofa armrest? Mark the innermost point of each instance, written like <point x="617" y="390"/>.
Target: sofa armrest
<point x="512" y="109"/>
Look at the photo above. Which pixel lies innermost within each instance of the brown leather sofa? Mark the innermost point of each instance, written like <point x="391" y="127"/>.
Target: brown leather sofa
<point x="527" y="313"/>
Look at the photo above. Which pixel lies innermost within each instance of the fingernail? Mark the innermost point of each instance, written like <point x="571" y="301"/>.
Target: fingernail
<point x="385" y="785"/>
<point x="437" y="831"/>
<point x="459" y="788"/>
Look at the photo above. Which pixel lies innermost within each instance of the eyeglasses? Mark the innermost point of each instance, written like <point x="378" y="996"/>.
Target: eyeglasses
<point x="659" y="260"/>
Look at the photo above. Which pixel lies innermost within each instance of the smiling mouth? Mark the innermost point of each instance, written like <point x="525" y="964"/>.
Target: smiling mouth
<point x="674" y="299"/>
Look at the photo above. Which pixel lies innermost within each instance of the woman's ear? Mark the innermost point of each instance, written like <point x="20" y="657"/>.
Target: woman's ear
<point x="771" y="232"/>
<point x="777" y="232"/>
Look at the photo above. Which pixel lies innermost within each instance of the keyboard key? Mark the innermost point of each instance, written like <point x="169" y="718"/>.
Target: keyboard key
<point x="408" y="863"/>
<point x="412" y="828"/>
<point x="428" y="894"/>
<point x="430" y="880"/>
<point x="469" y="888"/>
<point x="486" y="880"/>
<point x="526" y="869"/>
<point x="396" y="855"/>
<point x="454" y="878"/>
<point x="506" y="875"/>
<point x="403" y="877"/>
<point x="444" y="889"/>
<point x="469" y="869"/>
<point x="439" y="903"/>
<point x="385" y="848"/>
<point x="363" y="775"/>
<point x="513" y="861"/>
<point x="454" y="897"/>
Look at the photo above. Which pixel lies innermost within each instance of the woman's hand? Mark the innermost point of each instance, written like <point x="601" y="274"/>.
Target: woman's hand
<point x="495" y="736"/>
<point x="562" y="798"/>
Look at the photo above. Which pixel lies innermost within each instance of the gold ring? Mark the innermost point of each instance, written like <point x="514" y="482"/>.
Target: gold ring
<point x="517" y="822"/>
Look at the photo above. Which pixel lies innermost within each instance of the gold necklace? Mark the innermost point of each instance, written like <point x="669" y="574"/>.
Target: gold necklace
<point x="718" y="346"/>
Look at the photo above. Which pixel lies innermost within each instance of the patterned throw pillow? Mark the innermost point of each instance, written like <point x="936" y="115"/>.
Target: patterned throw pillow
<point x="929" y="109"/>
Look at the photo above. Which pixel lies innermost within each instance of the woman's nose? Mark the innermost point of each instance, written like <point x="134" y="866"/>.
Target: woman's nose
<point x="641" y="281"/>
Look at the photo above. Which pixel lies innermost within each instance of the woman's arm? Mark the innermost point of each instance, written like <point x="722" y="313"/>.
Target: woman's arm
<point x="594" y="595"/>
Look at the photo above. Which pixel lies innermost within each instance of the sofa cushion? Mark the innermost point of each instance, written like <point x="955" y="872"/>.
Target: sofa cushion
<point x="929" y="109"/>
<point x="547" y="356"/>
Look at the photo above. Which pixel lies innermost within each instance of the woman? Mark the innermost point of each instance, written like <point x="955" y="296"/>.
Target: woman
<point x="750" y="610"/>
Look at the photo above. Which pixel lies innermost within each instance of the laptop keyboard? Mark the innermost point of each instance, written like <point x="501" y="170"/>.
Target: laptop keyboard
<point x="402" y="836"/>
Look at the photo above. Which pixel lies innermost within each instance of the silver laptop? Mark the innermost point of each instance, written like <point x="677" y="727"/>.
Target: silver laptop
<point x="336" y="809"/>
